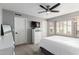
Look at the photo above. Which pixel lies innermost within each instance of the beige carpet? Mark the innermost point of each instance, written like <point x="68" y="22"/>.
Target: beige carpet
<point x="28" y="49"/>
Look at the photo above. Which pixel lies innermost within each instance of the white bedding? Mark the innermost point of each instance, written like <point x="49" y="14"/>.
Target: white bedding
<point x="61" y="45"/>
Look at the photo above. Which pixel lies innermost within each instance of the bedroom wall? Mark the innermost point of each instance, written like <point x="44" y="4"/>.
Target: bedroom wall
<point x="42" y="26"/>
<point x="70" y="16"/>
<point x="8" y="18"/>
<point x="0" y="18"/>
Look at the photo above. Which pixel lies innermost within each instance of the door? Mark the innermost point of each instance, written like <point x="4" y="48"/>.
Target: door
<point x="20" y="35"/>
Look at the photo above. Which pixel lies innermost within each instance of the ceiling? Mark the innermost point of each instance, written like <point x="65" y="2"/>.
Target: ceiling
<point x="33" y="8"/>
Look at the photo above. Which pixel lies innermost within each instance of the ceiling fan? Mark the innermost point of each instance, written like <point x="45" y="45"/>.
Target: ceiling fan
<point x="48" y="9"/>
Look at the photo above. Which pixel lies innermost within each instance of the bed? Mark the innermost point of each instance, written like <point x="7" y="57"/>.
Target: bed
<point x="60" y="45"/>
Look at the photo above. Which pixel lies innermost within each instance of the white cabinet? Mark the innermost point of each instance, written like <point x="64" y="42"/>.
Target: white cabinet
<point x="36" y="35"/>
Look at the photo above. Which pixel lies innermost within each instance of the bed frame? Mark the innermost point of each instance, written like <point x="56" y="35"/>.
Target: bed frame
<point x="46" y="52"/>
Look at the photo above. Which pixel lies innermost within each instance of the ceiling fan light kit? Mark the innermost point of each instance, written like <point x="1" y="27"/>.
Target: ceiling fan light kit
<point x="48" y="12"/>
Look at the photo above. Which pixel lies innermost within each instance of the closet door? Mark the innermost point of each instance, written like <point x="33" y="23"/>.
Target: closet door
<point x="20" y="32"/>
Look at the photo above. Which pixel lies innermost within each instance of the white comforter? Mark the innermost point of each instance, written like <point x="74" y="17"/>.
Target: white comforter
<point x="61" y="45"/>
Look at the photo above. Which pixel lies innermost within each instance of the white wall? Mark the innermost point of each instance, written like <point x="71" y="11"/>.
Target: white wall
<point x="8" y="18"/>
<point x="0" y="17"/>
<point x="44" y="28"/>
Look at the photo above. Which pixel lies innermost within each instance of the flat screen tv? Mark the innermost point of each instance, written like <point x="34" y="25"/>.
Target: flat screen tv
<point x="35" y="24"/>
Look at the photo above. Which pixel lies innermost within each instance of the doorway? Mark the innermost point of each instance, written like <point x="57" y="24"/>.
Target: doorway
<point x="20" y="30"/>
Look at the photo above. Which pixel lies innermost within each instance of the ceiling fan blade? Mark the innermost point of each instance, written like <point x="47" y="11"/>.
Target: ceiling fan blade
<point x="41" y="12"/>
<point x="43" y="7"/>
<point x="55" y="6"/>
<point x="54" y="11"/>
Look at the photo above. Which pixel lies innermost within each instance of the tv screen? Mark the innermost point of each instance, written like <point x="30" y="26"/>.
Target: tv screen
<point x="35" y="24"/>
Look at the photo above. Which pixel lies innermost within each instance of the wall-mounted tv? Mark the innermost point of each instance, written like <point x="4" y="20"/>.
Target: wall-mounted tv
<point x="35" y="24"/>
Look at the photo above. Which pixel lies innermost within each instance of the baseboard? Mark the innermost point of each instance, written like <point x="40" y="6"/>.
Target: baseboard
<point x="21" y="44"/>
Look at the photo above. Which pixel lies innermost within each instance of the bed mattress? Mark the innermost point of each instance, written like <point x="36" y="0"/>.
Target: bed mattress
<point x="61" y="45"/>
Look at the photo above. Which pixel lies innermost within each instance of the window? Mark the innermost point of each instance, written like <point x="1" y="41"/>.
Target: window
<point x="59" y="27"/>
<point x="77" y="27"/>
<point x="69" y="27"/>
<point x="51" y="28"/>
<point x="64" y="27"/>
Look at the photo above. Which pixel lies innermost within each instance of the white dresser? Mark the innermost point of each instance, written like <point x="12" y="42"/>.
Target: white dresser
<point x="36" y="35"/>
